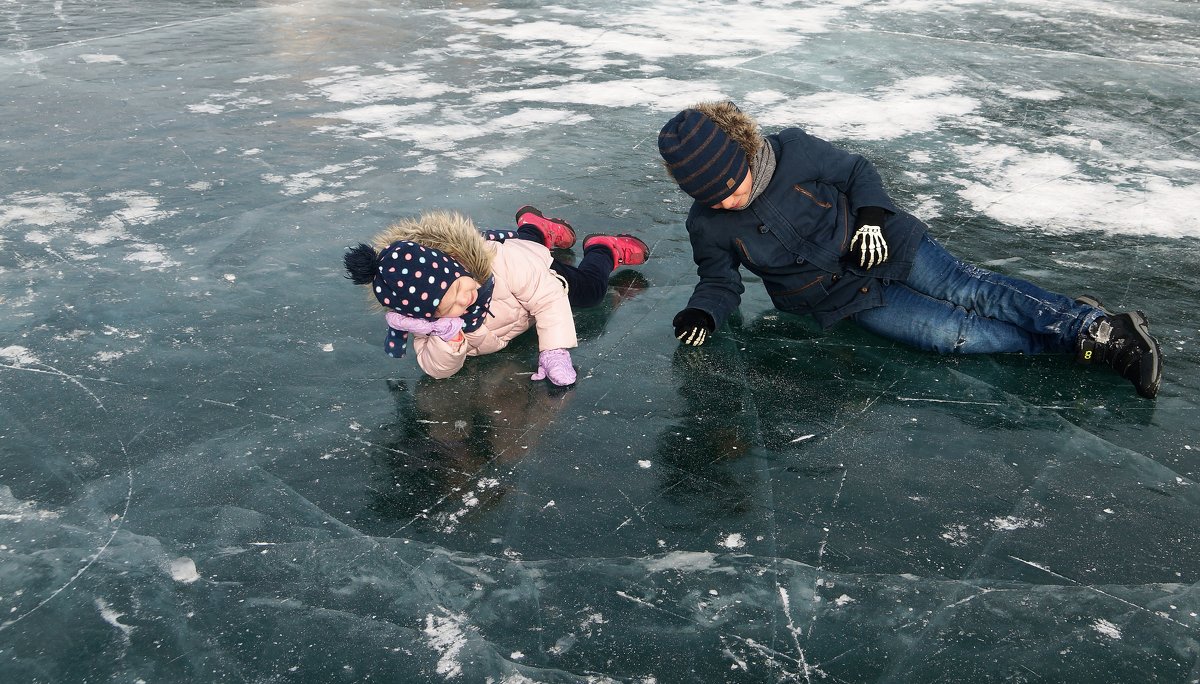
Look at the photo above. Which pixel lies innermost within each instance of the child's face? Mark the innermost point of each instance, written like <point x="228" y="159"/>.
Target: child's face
<point x="458" y="298"/>
<point x="740" y="197"/>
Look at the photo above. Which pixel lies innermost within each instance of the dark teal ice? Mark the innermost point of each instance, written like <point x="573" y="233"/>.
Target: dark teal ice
<point x="211" y="472"/>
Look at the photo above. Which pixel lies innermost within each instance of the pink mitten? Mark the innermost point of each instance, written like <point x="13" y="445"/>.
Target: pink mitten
<point x="556" y="365"/>
<point x="445" y="328"/>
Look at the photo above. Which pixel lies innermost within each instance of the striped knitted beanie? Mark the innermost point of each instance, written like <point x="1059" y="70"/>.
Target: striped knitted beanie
<point x="707" y="163"/>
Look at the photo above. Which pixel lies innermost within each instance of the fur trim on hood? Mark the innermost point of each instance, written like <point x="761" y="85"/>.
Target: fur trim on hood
<point x="448" y="231"/>
<point x="737" y="124"/>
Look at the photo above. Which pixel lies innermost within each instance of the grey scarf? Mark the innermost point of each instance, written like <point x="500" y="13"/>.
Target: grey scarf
<point x="762" y="168"/>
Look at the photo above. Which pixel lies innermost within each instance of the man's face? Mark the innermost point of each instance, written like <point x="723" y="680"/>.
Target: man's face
<point x="740" y="197"/>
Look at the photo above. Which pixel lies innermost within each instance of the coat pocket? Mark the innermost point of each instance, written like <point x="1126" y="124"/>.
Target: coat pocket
<point x="766" y="253"/>
<point x="798" y="294"/>
<point x="812" y="195"/>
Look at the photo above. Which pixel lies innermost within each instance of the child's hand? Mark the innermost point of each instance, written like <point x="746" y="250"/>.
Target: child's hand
<point x="556" y="365"/>
<point x="445" y="328"/>
<point x="693" y="326"/>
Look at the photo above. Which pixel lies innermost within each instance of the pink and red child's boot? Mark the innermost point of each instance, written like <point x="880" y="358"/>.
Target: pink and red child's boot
<point x="556" y="233"/>
<point x="626" y="249"/>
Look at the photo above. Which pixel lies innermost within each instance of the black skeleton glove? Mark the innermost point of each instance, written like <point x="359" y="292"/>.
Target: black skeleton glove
<point x="693" y="326"/>
<point x="868" y="243"/>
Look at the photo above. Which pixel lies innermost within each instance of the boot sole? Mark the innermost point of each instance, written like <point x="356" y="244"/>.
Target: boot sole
<point x="1142" y="327"/>
<point x="1089" y="300"/>
<point x="537" y="212"/>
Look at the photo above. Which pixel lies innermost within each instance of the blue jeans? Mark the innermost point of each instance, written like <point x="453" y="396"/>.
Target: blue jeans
<point x="951" y="307"/>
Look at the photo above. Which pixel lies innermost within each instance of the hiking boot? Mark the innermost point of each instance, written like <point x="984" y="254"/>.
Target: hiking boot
<point x="1123" y="343"/>
<point x="625" y="248"/>
<point x="556" y="233"/>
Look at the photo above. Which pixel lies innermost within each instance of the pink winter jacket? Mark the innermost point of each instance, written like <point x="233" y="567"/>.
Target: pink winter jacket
<point x="527" y="294"/>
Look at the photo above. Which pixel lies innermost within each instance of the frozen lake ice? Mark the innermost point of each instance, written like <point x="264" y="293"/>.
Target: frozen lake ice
<point x="209" y="471"/>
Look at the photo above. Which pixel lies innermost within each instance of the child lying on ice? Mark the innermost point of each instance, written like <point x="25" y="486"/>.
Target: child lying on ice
<point x="460" y="292"/>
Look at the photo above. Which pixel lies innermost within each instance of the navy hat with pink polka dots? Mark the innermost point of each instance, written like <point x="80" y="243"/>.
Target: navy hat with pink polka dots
<point x="411" y="279"/>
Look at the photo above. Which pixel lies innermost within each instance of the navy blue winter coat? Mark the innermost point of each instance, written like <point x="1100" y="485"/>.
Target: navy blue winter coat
<point x="796" y="236"/>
